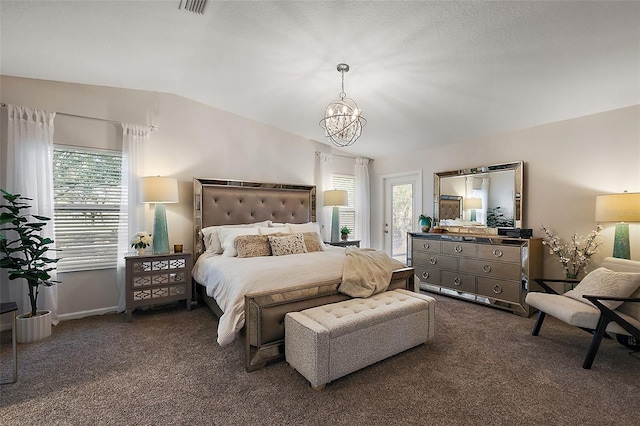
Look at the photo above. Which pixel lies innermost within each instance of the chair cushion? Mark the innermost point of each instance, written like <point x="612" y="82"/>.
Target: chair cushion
<point x="605" y="282"/>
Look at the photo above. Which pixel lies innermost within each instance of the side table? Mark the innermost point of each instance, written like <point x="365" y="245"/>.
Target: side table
<point x="344" y="243"/>
<point x="6" y="308"/>
<point x="155" y="279"/>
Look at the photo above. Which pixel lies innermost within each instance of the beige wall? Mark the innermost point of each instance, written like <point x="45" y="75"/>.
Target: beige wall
<point x="567" y="164"/>
<point x="192" y="140"/>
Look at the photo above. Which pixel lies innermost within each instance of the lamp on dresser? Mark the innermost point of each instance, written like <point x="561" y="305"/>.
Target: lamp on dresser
<point x="336" y="198"/>
<point x="621" y="208"/>
<point x="160" y="190"/>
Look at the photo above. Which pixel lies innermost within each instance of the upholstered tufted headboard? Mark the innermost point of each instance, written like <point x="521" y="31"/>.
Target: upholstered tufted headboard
<point x="225" y="202"/>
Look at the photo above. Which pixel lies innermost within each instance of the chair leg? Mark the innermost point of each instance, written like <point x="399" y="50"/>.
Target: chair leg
<point x="595" y="342"/>
<point x="538" y="325"/>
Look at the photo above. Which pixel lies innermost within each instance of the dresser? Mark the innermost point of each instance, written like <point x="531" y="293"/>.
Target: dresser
<point x="492" y="270"/>
<point x="157" y="279"/>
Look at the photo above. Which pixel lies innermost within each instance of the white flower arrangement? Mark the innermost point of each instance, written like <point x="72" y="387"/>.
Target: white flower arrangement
<point x="141" y="240"/>
<point x="575" y="256"/>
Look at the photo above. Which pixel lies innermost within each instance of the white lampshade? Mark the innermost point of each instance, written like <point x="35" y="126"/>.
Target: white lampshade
<point x="336" y="197"/>
<point x="623" y="207"/>
<point x="472" y="203"/>
<point x="156" y="189"/>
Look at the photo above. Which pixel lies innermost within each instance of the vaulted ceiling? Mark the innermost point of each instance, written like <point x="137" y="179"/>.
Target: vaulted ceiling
<point x="424" y="73"/>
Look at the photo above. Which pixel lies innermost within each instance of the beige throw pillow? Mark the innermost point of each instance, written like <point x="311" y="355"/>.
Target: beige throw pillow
<point x="228" y="236"/>
<point x="252" y="246"/>
<point x="287" y="244"/>
<point x="312" y="242"/>
<point x="605" y="282"/>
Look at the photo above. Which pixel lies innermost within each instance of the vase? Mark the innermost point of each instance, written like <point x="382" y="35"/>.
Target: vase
<point x="31" y="329"/>
<point x="140" y="251"/>
<point x="571" y="276"/>
<point x="344" y="237"/>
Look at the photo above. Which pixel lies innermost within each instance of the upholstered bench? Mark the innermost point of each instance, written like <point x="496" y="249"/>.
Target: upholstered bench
<point x="330" y="341"/>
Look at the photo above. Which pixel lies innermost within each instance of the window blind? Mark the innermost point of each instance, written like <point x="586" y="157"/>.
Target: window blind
<point x="347" y="213"/>
<point x="87" y="193"/>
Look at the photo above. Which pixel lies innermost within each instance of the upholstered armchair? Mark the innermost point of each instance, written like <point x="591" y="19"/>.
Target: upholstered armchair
<point x="607" y="300"/>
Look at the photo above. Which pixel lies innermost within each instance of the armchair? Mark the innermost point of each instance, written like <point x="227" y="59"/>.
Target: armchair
<point x="603" y="305"/>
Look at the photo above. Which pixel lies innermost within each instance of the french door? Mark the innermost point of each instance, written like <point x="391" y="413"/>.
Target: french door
<point x="402" y="206"/>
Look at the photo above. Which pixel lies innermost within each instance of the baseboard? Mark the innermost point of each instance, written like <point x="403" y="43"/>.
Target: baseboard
<point x="89" y="313"/>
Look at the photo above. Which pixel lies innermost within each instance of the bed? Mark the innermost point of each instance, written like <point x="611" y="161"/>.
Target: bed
<point x="259" y="320"/>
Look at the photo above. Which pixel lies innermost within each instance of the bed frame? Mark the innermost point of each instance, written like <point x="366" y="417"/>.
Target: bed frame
<point x="225" y="202"/>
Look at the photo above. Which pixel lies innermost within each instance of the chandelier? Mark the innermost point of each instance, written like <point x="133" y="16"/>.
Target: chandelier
<point x="342" y="121"/>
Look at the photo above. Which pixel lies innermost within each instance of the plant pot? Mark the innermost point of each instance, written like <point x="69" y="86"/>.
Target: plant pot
<point x="32" y="329"/>
<point x="344" y="237"/>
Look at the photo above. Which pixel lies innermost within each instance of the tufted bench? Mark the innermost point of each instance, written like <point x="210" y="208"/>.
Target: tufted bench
<point x="330" y="341"/>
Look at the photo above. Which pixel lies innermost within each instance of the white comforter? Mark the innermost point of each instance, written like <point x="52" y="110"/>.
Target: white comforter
<point x="228" y="279"/>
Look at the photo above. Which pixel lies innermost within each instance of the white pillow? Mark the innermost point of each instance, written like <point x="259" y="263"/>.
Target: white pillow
<point x="212" y="240"/>
<point x="296" y="228"/>
<point x="228" y="235"/>
<point x="605" y="282"/>
<point x="268" y="231"/>
<point x="278" y="225"/>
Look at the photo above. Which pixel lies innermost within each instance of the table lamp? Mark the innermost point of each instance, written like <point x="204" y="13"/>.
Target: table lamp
<point x="472" y="204"/>
<point x="621" y="208"/>
<point x="160" y="190"/>
<point x="335" y="198"/>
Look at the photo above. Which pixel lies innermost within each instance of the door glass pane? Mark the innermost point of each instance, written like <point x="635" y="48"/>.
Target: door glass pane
<point x="402" y="219"/>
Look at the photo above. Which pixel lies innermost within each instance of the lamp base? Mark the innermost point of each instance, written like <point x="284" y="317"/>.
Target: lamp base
<point x="621" y="246"/>
<point x="160" y="233"/>
<point x="335" y="225"/>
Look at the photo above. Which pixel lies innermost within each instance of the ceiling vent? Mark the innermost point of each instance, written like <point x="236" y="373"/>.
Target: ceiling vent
<point x="195" y="6"/>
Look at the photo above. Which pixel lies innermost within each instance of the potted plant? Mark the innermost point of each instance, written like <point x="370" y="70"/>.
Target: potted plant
<point x="344" y="232"/>
<point x="424" y="222"/>
<point x="24" y="254"/>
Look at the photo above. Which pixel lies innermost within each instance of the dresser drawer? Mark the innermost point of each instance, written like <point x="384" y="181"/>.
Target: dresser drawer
<point x="456" y="248"/>
<point x="459" y="281"/>
<point x="508" y="291"/>
<point x="501" y="253"/>
<point x="507" y="271"/>
<point x="435" y="261"/>
<point x="426" y="246"/>
<point x="428" y="275"/>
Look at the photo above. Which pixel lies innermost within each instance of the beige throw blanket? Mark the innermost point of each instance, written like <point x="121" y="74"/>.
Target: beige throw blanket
<point x="366" y="272"/>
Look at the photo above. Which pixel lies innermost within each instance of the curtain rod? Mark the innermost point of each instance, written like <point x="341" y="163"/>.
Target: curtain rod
<point x="151" y="127"/>
<point x="345" y="156"/>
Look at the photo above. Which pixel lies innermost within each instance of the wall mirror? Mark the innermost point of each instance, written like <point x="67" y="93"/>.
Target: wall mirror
<point x="484" y="196"/>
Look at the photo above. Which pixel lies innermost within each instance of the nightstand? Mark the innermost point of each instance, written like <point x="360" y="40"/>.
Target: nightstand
<point x="156" y="279"/>
<point x="344" y="243"/>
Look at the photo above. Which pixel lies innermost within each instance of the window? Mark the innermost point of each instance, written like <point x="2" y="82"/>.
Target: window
<point x="347" y="213"/>
<point x="87" y="192"/>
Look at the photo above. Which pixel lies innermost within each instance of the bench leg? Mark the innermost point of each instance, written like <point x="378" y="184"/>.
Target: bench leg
<point x="319" y="387"/>
<point x="538" y="325"/>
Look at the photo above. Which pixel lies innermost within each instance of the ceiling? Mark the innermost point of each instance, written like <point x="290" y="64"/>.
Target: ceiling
<point x="424" y="74"/>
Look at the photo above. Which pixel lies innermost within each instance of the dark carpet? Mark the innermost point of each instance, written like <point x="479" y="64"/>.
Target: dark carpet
<point x="165" y="367"/>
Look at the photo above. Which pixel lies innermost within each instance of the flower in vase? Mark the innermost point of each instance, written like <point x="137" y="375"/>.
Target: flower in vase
<point x="574" y="256"/>
<point x="141" y="240"/>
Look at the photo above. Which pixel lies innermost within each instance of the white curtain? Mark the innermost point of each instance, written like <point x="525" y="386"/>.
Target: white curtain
<point x="134" y="139"/>
<point x="324" y="213"/>
<point x="363" y="202"/>
<point x="29" y="166"/>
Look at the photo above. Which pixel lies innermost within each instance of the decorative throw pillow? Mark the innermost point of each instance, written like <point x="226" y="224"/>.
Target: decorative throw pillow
<point x="312" y="242"/>
<point x="228" y="236"/>
<point x="252" y="246"/>
<point x="211" y="237"/>
<point x="605" y="282"/>
<point x="306" y="227"/>
<point x="287" y="244"/>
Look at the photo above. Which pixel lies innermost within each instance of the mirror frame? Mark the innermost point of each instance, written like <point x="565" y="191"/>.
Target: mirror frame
<point x="518" y="199"/>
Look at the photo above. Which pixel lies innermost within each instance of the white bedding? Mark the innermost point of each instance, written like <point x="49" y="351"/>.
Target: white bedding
<point x="228" y="279"/>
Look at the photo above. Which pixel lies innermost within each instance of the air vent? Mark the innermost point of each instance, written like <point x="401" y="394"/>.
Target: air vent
<point x="195" y="6"/>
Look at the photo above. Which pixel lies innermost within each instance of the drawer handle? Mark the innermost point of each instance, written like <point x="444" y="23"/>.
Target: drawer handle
<point x="457" y="249"/>
<point x="457" y="281"/>
<point x="486" y="268"/>
<point x="425" y="275"/>
<point x="497" y="253"/>
<point x="433" y="261"/>
<point x="497" y="289"/>
<point x="426" y="245"/>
